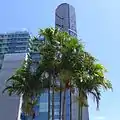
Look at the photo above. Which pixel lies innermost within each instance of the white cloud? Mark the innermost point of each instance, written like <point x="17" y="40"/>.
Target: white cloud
<point x="100" y="118"/>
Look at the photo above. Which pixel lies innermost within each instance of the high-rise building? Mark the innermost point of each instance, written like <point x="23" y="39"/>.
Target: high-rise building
<point x="13" y="48"/>
<point x="65" y="20"/>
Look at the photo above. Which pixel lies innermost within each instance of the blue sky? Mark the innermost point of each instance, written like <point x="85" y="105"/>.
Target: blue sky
<point x="98" y="24"/>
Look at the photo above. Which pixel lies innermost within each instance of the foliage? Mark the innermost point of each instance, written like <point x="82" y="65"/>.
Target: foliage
<point x="65" y="58"/>
<point x="64" y="65"/>
<point x="26" y="83"/>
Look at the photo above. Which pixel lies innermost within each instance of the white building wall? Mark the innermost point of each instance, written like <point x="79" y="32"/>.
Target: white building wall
<point x="9" y="106"/>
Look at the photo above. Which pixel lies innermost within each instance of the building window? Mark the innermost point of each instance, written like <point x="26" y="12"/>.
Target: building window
<point x="43" y="107"/>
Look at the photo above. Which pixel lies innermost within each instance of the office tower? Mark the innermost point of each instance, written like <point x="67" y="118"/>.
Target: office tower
<point x="65" y="20"/>
<point x="13" y="48"/>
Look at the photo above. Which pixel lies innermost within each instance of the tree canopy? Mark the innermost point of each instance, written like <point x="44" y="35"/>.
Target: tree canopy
<point x="63" y="64"/>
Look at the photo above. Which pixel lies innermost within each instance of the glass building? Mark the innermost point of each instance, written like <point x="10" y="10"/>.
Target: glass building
<point x="13" y="48"/>
<point x="16" y="42"/>
<point x="65" y="18"/>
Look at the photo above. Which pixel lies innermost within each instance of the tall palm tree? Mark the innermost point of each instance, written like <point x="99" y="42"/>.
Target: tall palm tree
<point x="60" y="101"/>
<point x="50" y="51"/>
<point x="68" y="50"/>
<point x="89" y="79"/>
<point x="39" y="46"/>
<point x="65" y="46"/>
<point x="47" y="52"/>
<point x="26" y="83"/>
<point x="70" y="102"/>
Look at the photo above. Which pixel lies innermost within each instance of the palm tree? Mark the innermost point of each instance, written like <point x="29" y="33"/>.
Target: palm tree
<point x="69" y="48"/>
<point x="38" y="46"/>
<point x="60" y="91"/>
<point x="59" y="47"/>
<point x="26" y="83"/>
<point x="50" y="51"/>
<point x="47" y="50"/>
<point x="65" y="59"/>
<point x="89" y="79"/>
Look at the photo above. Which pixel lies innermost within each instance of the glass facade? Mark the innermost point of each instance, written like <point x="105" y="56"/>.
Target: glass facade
<point x="16" y="42"/>
<point x="42" y="107"/>
<point x="65" y="19"/>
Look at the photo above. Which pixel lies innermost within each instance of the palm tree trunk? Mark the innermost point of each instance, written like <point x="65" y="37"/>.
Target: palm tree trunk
<point x="60" y="101"/>
<point x="79" y="109"/>
<point x="32" y="111"/>
<point x="70" y="105"/>
<point x="63" y="107"/>
<point x="53" y="100"/>
<point x="33" y="116"/>
<point x="81" y="112"/>
<point x="49" y="100"/>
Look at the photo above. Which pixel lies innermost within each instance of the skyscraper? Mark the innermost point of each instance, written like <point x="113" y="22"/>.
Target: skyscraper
<point x="65" y="20"/>
<point x="13" y="48"/>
